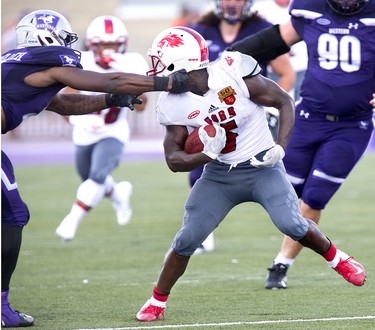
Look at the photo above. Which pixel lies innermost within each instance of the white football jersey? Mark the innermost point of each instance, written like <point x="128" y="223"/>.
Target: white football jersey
<point x="112" y="122"/>
<point x="228" y="104"/>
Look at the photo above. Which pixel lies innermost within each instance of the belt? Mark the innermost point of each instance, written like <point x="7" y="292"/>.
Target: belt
<point x="356" y="117"/>
<point x="332" y="118"/>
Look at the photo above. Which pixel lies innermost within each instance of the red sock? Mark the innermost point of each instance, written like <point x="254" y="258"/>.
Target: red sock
<point x="159" y="295"/>
<point x="331" y="253"/>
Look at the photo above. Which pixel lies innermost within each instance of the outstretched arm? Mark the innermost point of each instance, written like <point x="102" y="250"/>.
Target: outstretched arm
<point x="269" y="43"/>
<point x="116" y="83"/>
<point x="80" y="104"/>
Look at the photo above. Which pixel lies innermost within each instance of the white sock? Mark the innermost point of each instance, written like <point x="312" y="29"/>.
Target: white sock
<point x="281" y="259"/>
<point x="339" y="256"/>
<point x="77" y="211"/>
<point x="90" y="193"/>
<point x="158" y="303"/>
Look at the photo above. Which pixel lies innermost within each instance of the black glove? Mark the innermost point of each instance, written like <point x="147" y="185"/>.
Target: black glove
<point x="180" y="82"/>
<point x="122" y="100"/>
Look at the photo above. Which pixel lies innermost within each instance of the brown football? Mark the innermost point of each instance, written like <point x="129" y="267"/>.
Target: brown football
<point x="193" y="143"/>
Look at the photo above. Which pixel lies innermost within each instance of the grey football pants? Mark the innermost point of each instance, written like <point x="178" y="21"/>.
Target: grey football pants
<point x="221" y="188"/>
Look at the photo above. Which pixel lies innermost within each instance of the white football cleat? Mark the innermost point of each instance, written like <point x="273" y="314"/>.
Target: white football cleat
<point x="67" y="228"/>
<point x="121" y="202"/>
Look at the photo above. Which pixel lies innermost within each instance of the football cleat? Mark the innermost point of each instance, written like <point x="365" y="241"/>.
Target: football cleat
<point x="67" y="228"/>
<point x="121" y="202"/>
<point x="351" y="270"/>
<point x="150" y="312"/>
<point x="276" y="277"/>
<point x="23" y="320"/>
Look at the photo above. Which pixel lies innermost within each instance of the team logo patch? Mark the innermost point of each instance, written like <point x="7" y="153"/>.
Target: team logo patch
<point x="323" y="21"/>
<point x="227" y="95"/>
<point x="194" y="114"/>
<point x="363" y="124"/>
<point x="44" y="21"/>
<point x="68" y="60"/>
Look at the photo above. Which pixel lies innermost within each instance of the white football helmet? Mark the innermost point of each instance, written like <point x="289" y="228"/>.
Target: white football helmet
<point x="44" y="28"/>
<point x="177" y="48"/>
<point x="232" y="11"/>
<point x="106" y="30"/>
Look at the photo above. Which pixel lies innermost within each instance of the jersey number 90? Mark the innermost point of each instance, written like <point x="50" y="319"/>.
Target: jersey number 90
<point x="345" y="52"/>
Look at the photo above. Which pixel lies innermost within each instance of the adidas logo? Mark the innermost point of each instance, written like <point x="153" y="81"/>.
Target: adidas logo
<point x="212" y="108"/>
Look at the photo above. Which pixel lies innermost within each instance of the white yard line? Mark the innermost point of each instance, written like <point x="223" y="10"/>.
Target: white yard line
<point x="202" y="325"/>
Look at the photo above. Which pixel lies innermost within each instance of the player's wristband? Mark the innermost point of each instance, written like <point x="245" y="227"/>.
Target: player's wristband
<point x="111" y="100"/>
<point x="161" y="83"/>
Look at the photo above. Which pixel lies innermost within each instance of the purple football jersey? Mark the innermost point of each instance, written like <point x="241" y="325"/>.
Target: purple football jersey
<point x="20" y="100"/>
<point x="333" y="122"/>
<point x="341" y="51"/>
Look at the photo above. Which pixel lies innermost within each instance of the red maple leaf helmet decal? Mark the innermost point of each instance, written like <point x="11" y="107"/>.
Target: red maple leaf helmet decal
<point x="170" y="40"/>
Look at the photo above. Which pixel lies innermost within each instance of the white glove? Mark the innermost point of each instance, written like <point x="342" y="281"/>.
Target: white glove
<point x="212" y="146"/>
<point x="271" y="157"/>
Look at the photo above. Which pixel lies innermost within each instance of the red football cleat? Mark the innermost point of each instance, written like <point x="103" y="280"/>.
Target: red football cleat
<point x="352" y="271"/>
<point x="150" y="312"/>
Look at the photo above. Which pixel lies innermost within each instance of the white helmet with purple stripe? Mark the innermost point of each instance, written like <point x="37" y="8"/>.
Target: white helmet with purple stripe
<point x="44" y="28"/>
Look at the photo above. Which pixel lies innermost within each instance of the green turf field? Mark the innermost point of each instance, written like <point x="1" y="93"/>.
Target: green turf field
<point x="102" y="278"/>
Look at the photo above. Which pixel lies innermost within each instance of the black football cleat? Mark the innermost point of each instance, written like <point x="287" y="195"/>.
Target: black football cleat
<point x="276" y="278"/>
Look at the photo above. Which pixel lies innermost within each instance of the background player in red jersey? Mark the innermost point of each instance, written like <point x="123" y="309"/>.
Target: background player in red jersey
<point x="100" y="138"/>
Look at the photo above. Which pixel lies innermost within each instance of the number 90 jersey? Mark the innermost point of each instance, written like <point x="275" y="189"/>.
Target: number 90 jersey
<point x="228" y="104"/>
<point x="341" y="52"/>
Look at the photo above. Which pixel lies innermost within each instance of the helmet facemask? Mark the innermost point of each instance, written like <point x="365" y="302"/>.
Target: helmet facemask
<point x="347" y="7"/>
<point x="233" y="12"/>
